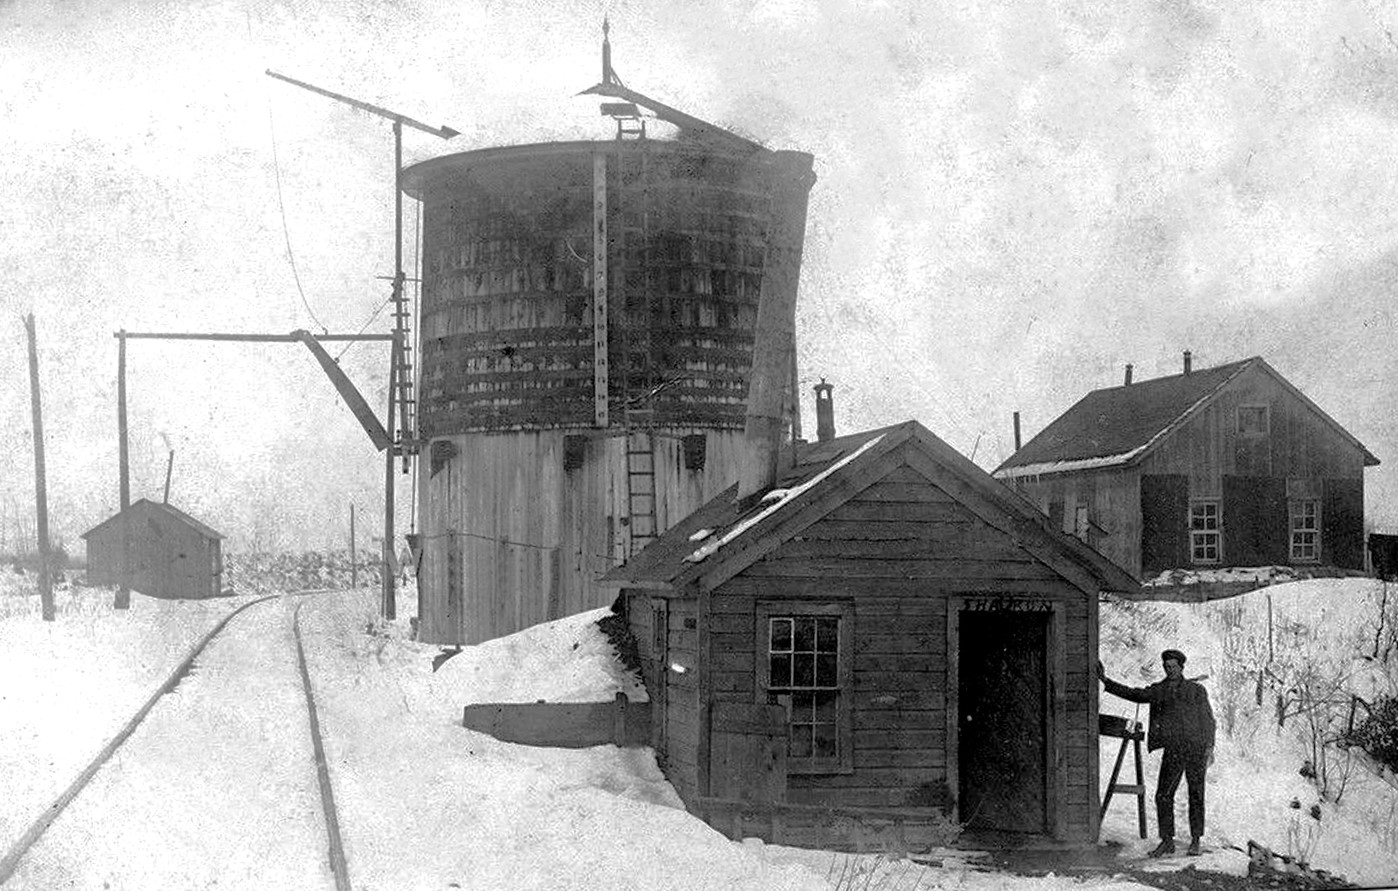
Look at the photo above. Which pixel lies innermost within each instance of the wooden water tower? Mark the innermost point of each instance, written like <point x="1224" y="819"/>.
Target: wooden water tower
<point x="588" y="326"/>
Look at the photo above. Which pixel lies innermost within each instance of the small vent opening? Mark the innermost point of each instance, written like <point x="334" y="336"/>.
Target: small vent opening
<point x="574" y="451"/>
<point x="696" y="446"/>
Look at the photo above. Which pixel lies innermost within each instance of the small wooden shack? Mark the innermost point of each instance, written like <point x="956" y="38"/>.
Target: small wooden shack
<point x="1230" y="466"/>
<point x="888" y="638"/>
<point x="172" y="554"/>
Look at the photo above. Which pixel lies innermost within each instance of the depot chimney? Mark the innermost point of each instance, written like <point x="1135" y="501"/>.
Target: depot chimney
<point x="1128" y="374"/>
<point x="1016" y="431"/>
<point x="1188" y="361"/>
<point x="825" y="412"/>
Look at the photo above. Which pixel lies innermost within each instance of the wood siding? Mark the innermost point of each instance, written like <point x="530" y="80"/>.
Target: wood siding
<point x="531" y="538"/>
<point x="168" y="558"/>
<point x="1145" y="532"/>
<point x="673" y="681"/>
<point x="1113" y="497"/>
<point x="903" y="553"/>
<point x="1249" y="474"/>
<point x="1301" y="445"/>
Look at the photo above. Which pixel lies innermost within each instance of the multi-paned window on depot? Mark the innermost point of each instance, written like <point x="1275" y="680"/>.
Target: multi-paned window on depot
<point x="807" y="673"/>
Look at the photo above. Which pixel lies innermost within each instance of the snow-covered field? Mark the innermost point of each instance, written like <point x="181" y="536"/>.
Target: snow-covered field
<point x="1321" y="633"/>
<point x="425" y="803"/>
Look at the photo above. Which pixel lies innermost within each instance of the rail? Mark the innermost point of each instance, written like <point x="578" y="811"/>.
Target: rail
<point x="11" y="860"/>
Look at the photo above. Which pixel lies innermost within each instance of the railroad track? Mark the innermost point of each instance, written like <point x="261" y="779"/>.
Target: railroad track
<point x="10" y="862"/>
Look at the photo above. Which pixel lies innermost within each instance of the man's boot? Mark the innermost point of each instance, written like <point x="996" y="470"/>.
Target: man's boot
<point x="1166" y="846"/>
<point x="1193" y="847"/>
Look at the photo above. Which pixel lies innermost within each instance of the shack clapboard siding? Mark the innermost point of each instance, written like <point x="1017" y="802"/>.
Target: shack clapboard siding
<point x="900" y="545"/>
<point x="169" y="558"/>
<point x="881" y="549"/>
<point x="532" y="538"/>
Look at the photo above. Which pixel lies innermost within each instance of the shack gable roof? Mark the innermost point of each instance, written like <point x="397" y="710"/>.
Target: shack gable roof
<point x="723" y="537"/>
<point x="1119" y="426"/>
<point x="146" y="505"/>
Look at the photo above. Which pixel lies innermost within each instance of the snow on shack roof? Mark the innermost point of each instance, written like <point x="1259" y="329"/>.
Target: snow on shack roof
<point x="723" y="533"/>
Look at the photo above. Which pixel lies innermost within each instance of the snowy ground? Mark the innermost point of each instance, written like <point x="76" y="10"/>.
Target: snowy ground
<point x="219" y="790"/>
<point x="1322" y="630"/>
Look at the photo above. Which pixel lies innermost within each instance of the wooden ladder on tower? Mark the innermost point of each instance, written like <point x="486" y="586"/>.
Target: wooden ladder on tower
<point x="403" y="371"/>
<point x="1130" y="734"/>
<point x="637" y="374"/>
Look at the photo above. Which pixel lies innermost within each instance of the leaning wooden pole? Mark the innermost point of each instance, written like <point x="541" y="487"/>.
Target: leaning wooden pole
<point x="123" y="594"/>
<point x="41" y="494"/>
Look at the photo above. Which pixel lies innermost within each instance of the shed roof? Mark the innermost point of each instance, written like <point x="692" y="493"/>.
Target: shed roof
<point x="168" y="510"/>
<point x="1119" y="426"/>
<point x="722" y="537"/>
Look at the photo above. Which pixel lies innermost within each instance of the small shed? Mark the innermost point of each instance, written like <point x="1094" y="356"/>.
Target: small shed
<point x="888" y="638"/>
<point x="172" y="554"/>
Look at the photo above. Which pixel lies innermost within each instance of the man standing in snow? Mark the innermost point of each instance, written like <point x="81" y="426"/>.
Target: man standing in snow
<point x="1181" y="723"/>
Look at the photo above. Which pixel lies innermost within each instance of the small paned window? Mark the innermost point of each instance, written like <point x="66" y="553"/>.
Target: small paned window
<point x="1252" y="420"/>
<point x="807" y="673"/>
<point x="1082" y="521"/>
<point x="1205" y="534"/>
<point x="1305" y="531"/>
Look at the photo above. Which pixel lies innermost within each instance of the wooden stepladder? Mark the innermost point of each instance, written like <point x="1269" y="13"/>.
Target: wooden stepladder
<point x="1131" y="734"/>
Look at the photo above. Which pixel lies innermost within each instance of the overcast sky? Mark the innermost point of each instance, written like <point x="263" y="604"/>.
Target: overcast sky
<point x="1014" y="200"/>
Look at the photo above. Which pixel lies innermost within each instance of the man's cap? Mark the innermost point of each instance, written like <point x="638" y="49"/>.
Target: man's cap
<point x="1172" y="654"/>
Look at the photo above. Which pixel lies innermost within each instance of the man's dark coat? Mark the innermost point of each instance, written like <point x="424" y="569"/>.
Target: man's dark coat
<point x="1179" y="712"/>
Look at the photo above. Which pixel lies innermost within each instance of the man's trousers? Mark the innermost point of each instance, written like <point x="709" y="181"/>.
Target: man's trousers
<point x="1190" y="762"/>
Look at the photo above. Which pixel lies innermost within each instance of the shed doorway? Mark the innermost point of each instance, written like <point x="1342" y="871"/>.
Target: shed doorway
<point x="1003" y="721"/>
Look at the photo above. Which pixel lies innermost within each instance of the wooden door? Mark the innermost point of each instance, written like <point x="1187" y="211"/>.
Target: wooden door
<point x="1003" y="721"/>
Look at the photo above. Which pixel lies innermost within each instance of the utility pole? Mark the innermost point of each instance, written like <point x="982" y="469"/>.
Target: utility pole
<point x="390" y="599"/>
<point x="41" y="495"/>
<point x="123" y="594"/>
<point x="400" y="375"/>
<point x="354" y="554"/>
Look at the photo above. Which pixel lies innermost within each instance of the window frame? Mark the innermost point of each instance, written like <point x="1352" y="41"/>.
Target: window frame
<point x="1295" y="511"/>
<point x="1196" y="534"/>
<point x="1266" y="419"/>
<point x="765" y="611"/>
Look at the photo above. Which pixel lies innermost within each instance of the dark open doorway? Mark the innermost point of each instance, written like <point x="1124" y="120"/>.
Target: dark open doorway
<point x="1003" y="721"/>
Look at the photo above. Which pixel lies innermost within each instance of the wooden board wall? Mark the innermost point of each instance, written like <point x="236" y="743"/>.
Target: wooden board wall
<point x="168" y="558"/>
<point x="1302" y="444"/>
<point x="678" y="749"/>
<point x="899" y="551"/>
<point x="1113" y="497"/>
<point x="533" y="538"/>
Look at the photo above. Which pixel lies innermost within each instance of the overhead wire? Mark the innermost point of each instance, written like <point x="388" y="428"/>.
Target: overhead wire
<point x="286" y="231"/>
<point x="365" y="327"/>
<point x="506" y="541"/>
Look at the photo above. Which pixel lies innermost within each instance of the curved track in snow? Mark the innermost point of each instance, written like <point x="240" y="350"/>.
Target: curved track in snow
<point x="181" y="728"/>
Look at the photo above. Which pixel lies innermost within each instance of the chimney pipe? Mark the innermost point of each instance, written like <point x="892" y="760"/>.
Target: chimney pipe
<point x="1016" y="431"/>
<point x="169" y="466"/>
<point x="1128" y="374"/>
<point x="1188" y="361"/>
<point x="825" y="412"/>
